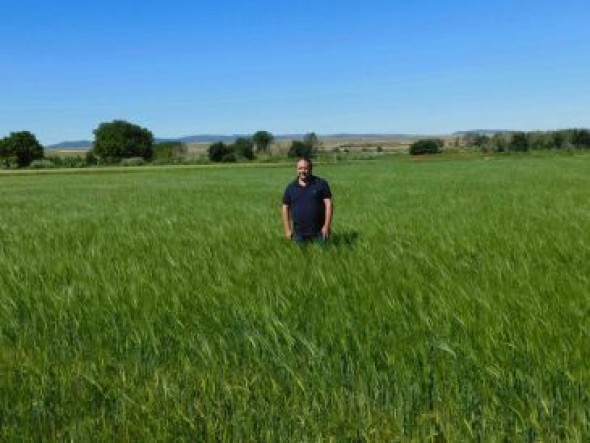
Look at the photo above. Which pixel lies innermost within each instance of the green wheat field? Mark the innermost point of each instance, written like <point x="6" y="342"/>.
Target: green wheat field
<point x="452" y="304"/>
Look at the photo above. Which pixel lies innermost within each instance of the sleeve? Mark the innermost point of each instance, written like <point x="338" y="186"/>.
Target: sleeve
<point x="287" y="197"/>
<point x="326" y="192"/>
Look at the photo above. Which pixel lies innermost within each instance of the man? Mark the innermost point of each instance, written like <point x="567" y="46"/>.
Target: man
<point x="307" y="206"/>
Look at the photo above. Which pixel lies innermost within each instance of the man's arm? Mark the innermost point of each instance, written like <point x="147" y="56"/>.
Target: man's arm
<point x="287" y="221"/>
<point x="328" y="221"/>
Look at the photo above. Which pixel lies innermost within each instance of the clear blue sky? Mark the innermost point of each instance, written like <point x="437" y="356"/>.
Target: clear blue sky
<point x="187" y="67"/>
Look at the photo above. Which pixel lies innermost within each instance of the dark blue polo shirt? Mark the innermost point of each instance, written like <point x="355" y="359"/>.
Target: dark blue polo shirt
<point x="307" y="205"/>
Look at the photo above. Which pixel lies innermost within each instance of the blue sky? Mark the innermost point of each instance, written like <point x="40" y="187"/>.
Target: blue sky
<point x="192" y="67"/>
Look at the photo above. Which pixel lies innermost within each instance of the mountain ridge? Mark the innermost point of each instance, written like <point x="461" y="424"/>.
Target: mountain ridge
<point x="211" y="138"/>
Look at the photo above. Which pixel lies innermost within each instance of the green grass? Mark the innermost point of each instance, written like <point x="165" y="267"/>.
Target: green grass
<point x="452" y="304"/>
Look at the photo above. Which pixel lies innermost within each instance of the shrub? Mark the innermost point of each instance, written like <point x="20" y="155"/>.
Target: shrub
<point x="42" y="164"/>
<point x="90" y="159"/>
<point x="229" y="158"/>
<point x="300" y="149"/>
<point x="243" y="147"/>
<point x="74" y="162"/>
<point x="581" y="138"/>
<point x="519" y="142"/>
<point x="426" y="146"/>
<point x="169" y="161"/>
<point x="133" y="161"/>
<point x="217" y="151"/>
<point x="8" y="163"/>
<point x="169" y="150"/>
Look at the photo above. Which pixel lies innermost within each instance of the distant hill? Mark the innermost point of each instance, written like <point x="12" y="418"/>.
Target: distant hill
<point x="483" y="132"/>
<point x="80" y="144"/>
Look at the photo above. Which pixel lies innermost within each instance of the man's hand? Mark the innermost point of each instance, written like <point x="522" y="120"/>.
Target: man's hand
<point x="326" y="232"/>
<point x="287" y="221"/>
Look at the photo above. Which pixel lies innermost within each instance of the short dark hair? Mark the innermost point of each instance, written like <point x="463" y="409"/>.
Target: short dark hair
<point x="307" y="160"/>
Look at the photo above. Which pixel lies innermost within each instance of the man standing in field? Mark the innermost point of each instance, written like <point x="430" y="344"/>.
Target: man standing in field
<point x="307" y="206"/>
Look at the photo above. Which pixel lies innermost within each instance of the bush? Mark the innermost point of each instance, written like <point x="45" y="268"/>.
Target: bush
<point x="243" y="147"/>
<point x="217" y="151"/>
<point x="581" y="138"/>
<point x="42" y="164"/>
<point x="426" y="146"/>
<point x="169" y="150"/>
<point x="519" y="142"/>
<point x="8" y="163"/>
<point x="74" y="162"/>
<point x="229" y="158"/>
<point x="90" y="159"/>
<point x="133" y="161"/>
<point x="300" y="149"/>
<point x="169" y="161"/>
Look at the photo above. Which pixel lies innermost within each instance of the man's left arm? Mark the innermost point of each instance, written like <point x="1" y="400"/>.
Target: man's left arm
<point x="329" y="205"/>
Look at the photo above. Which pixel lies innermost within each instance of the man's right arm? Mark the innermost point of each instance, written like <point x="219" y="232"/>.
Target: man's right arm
<point x="287" y="221"/>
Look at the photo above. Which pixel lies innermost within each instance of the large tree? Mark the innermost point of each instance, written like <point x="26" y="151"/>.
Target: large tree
<point x="262" y="140"/>
<point x="22" y="147"/>
<point x="120" y="139"/>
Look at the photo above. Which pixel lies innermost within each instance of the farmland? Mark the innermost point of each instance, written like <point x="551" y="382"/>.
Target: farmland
<point x="451" y="304"/>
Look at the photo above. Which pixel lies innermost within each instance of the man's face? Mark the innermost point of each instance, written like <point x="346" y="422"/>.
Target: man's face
<point x="303" y="170"/>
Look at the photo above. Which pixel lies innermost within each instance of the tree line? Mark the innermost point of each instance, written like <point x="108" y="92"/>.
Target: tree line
<point x="260" y="142"/>
<point x="121" y="142"/>
<point x="509" y="141"/>
<point x="519" y="141"/>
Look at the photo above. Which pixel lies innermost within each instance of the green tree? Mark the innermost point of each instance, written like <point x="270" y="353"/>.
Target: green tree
<point x="262" y="140"/>
<point x="120" y="139"/>
<point x="243" y="147"/>
<point x="300" y="149"/>
<point x="21" y="147"/>
<point x="218" y="151"/>
<point x="312" y="140"/>
<point x="581" y="138"/>
<point x="426" y="146"/>
<point x="306" y="148"/>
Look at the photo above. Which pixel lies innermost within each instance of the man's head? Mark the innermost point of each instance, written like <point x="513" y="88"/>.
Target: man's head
<point x="304" y="167"/>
